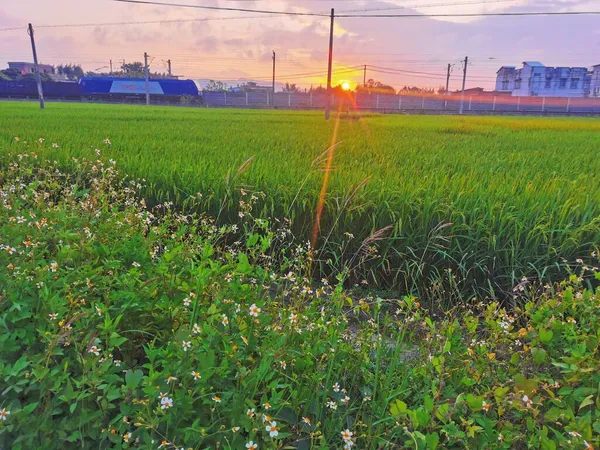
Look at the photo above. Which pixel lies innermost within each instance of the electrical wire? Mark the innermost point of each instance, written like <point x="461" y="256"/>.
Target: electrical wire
<point x="498" y="14"/>
<point x="222" y="8"/>
<point x="431" y="5"/>
<point x="291" y="13"/>
<point x="142" y="22"/>
<point x="402" y="71"/>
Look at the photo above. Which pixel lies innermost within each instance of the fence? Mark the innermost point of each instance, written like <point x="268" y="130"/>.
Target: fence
<point x="389" y="102"/>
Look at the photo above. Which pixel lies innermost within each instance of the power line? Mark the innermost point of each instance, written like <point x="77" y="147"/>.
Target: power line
<point x="498" y="14"/>
<point x="221" y="8"/>
<point x="310" y="75"/>
<point x="401" y="71"/>
<point x="404" y="71"/>
<point x="431" y="5"/>
<point x="263" y="12"/>
<point x="14" y="29"/>
<point x="142" y="22"/>
<point x="291" y="13"/>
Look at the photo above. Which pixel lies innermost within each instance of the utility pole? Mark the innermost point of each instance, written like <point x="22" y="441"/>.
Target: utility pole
<point x="462" y="94"/>
<point x="169" y="68"/>
<point x="365" y="76"/>
<point x="273" y="78"/>
<point x="448" y="79"/>
<point x="146" y="73"/>
<point x="38" y="78"/>
<point x="328" y="104"/>
<point x="111" y="66"/>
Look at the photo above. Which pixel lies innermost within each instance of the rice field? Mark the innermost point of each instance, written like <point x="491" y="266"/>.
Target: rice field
<point x="458" y="205"/>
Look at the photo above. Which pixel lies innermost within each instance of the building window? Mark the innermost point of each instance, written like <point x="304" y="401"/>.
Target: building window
<point x="548" y="83"/>
<point x="31" y="70"/>
<point x="505" y="85"/>
<point x="563" y="83"/>
<point x="574" y="83"/>
<point x="518" y="84"/>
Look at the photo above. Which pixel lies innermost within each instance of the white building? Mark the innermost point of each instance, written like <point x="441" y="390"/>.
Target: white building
<point x="535" y="79"/>
<point x="595" y="81"/>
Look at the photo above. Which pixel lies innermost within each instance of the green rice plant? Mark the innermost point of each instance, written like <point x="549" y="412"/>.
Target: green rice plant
<point x="519" y="193"/>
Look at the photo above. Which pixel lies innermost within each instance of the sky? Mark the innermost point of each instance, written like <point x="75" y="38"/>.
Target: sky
<point x="237" y="46"/>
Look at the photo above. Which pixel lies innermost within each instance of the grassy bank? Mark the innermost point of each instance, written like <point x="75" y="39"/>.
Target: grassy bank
<point x="124" y="327"/>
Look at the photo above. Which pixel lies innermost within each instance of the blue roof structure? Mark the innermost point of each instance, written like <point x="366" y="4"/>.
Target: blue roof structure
<point x="157" y="86"/>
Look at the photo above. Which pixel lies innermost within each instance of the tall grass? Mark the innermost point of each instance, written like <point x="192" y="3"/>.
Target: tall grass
<point x="468" y="205"/>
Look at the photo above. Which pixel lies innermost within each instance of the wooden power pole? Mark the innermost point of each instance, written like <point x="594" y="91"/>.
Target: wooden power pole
<point x="38" y="77"/>
<point x="273" y="88"/>
<point x="147" y="75"/>
<point x="169" y="68"/>
<point x="365" y="76"/>
<point x="462" y="93"/>
<point x="329" y="65"/>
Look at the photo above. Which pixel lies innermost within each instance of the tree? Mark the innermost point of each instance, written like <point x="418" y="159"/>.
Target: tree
<point x="213" y="85"/>
<point x="414" y="90"/>
<point x="71" y="71"/>
<point x="133" y="70"/>
<point x="290" y="88"/>
<point x="44" y="77"/>
<point x="376" y="86"/>
<point x="12" y="74"/>
<point x="129" y="70"/>
<point x="15" y="75"/>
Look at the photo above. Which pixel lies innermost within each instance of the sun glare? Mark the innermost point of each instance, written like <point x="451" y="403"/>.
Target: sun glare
<point x="346" y="86"/>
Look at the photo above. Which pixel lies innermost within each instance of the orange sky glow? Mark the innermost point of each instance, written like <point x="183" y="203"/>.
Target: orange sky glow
<point x="236" y="46"/>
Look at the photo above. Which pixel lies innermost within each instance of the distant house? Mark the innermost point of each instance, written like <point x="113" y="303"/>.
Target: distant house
<point x="251" y="86"/>
<point x="478" y="91"/>
<point x="595" y="82"/>
<point x="535" y="79"/>
<point x="27" y="67"/>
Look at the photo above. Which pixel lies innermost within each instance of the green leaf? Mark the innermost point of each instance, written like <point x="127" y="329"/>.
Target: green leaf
<point x="252" y="240"/>
<point x="589" y="400"/>
<point x="546" y="335"/>
<point x="132" y="379"/>
<point x="116" y="340"/>
<point x="29" y="408"/>
<point x="428" y="401"/>
<point x="243" y="264"/>
<point x="21" y="364"/>
<point x="398" y="407"/>
<point x="554" y="414"/>
<point x="539" y="355"/>
<point x="447" y="346"/>
<point x="432" y="440"/>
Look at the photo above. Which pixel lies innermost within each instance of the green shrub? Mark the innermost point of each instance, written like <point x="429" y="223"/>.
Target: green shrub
<point x="129" y="328"/>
